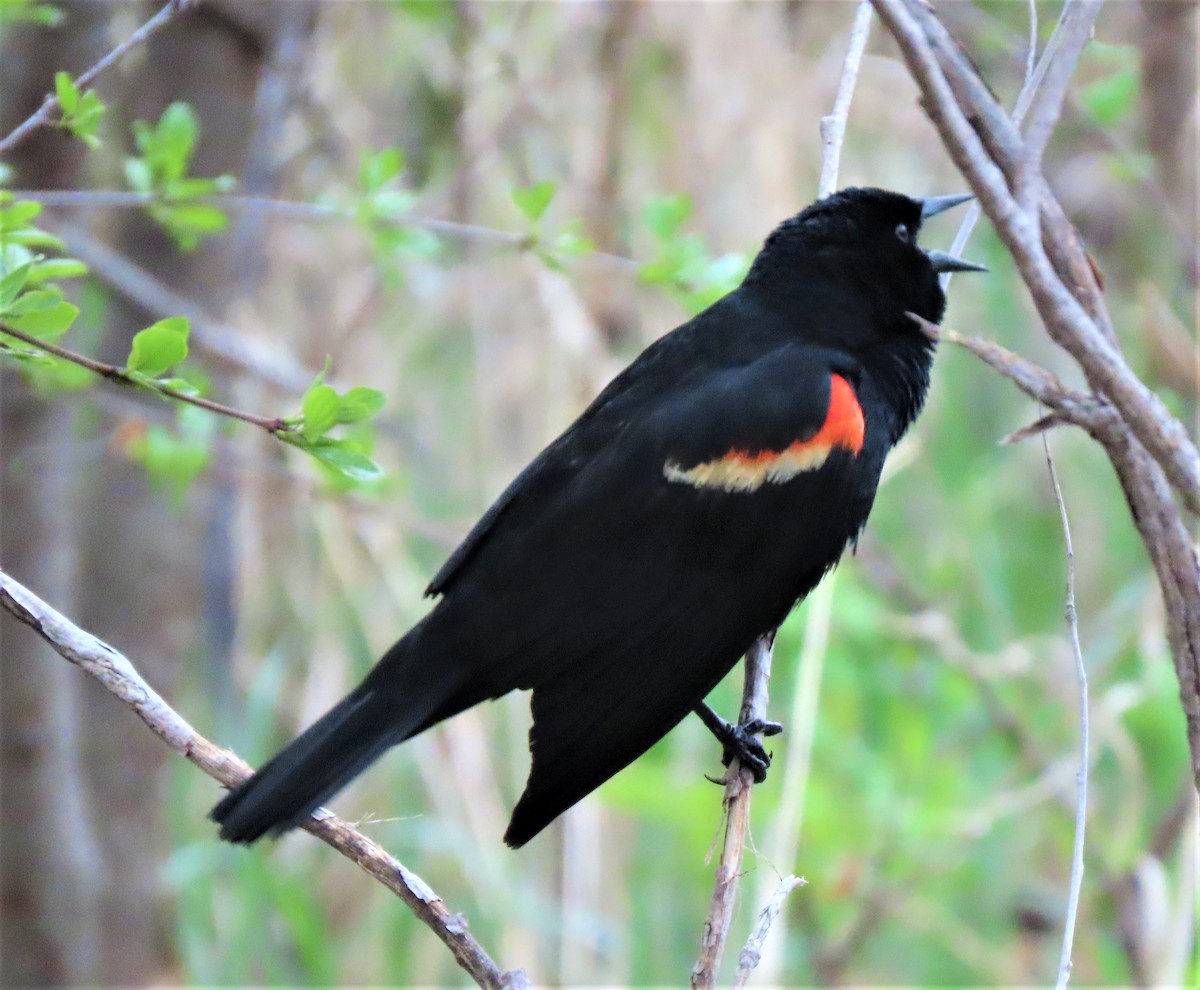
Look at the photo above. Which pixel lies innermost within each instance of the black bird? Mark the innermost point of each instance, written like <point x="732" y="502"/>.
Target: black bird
<point x="701" y="495"/>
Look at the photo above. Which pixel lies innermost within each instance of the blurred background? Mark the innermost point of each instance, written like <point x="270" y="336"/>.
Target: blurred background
<point x="925" y="785"/>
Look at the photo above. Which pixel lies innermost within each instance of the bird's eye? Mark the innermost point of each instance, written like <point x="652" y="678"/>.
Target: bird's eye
<point x="902" y="232"/>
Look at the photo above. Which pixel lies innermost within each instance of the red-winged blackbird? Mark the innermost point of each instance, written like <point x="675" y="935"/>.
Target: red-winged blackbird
<point x="682" y="515"/>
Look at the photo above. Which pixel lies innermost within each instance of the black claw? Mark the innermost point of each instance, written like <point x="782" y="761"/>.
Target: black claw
<point x="760" y="726"/>
<point x="739" y="742"/>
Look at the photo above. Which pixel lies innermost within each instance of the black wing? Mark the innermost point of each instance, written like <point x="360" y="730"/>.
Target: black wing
<point x="629" y="568"/>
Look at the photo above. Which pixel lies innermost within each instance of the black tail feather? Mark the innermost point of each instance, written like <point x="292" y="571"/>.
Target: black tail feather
<point x="311" y="769"/>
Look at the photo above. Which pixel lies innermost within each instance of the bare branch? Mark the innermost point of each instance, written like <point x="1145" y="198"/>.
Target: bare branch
<point x="121" y="678"/>
<point x="738" y="784"/>
<point x="1149" y="449"/>
<point x="1032" y="379"/>
<point x="1065" y="318"/>
<point x="1081" y="777"/>
<point x="833" y="126"/>
<point x="1077" y="22"/>
<point x="41" y="116"/>
<point x="752" y="951"/>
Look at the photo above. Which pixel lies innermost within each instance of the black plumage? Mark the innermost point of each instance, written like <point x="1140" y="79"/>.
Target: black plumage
<point x="702" y="494"/>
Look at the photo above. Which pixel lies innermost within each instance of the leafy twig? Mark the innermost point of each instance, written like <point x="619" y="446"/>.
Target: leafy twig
<point x="112" y="372"/>
<point x="293" y="210"/>
<point x="119" y="677"/>
<point x="41" y="116"/>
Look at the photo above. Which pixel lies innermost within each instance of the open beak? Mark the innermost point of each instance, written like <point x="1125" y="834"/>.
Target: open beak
<point x="934" y="205"/>
<point x="941" y="261"/>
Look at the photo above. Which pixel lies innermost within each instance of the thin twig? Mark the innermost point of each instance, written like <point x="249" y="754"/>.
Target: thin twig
<point x="293" y="210"/>
<point x="41" y="116"/>
<point x="738" y="783"/>
<point x="1085" y="410"/>
<point x="833" y="126"/>
<point x="1035" y="71"/>
<point x="113" y="373"/>
<point x="751" y="952"/>
<point x="1076" y="884"/>
<point x="1076" y="22"/>
<point x="119" y="677"/>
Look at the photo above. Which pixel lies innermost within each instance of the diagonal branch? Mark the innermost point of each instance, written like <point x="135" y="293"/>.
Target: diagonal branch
<point x="1150" y="450"/>
<point x="275" y="426"/>
<point x="121" y="678"/>
<point x="41" y="116"/>
<point x="990" y="166"/>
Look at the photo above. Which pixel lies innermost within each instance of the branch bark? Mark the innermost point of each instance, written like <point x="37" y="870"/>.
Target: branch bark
<point x="120" y="678"/>
<point x="738" y="785"/>
<point x="1149" y="449"/>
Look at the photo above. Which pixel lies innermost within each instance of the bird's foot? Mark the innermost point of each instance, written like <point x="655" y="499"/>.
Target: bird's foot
<point x="739" y="742"/>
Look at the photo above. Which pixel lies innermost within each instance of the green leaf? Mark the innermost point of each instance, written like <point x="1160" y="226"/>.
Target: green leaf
<point x="15" y="217"/>
<point x="33" y="237"/>
<point x="345" y="458"/>
<point x="139" y="175"/>
<point x="380" y="168"/>
<point x="320" y="408"/>
<point x="159" y="347"/>
<point x="665" y="215"/>
<point x="359" y="404"/>
<point x="1112" y="99"/>
<point x="180" y="385"/>
<point x="46" y="322"/>
<point x="56" y="268"/>
<point x="12" y="283"/>
<point x="534" y="200"/>
<point x="172" y="461"/>
<point x="174" y="139"/>
<point x="67" y="93"/>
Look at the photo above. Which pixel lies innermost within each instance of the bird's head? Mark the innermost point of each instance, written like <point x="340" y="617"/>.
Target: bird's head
<point x="866" y="239"/>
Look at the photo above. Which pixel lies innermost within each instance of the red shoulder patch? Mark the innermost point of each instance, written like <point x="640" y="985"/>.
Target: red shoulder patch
<point x="740" y="470"/>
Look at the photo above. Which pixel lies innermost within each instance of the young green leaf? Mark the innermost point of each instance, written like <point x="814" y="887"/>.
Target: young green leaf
<point x="160" y="346"/>
<point x="664" y="215"/>
<point x="1112" y="99"/>
<point x="345" y="458"/>
<point x="534" y="200"/>
<point x="12" y="284"/>
<point x="320" y="408"/>
<point x="56" y="268"/>
<point x="359" y="404"/>
<point x="380" y="168"/>
<point x="67" y="93"/>
<point x="42" y="313"/>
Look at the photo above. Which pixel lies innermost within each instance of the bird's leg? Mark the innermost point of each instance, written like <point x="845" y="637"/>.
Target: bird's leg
<point x="738" y="740"/>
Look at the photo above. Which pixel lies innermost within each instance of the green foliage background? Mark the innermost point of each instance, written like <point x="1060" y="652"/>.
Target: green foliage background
<point x="925" y="784"/>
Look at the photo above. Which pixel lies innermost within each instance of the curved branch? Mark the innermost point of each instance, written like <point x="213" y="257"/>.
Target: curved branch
<point x="1149" y="448"/>
<point x="121" y="678"/>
